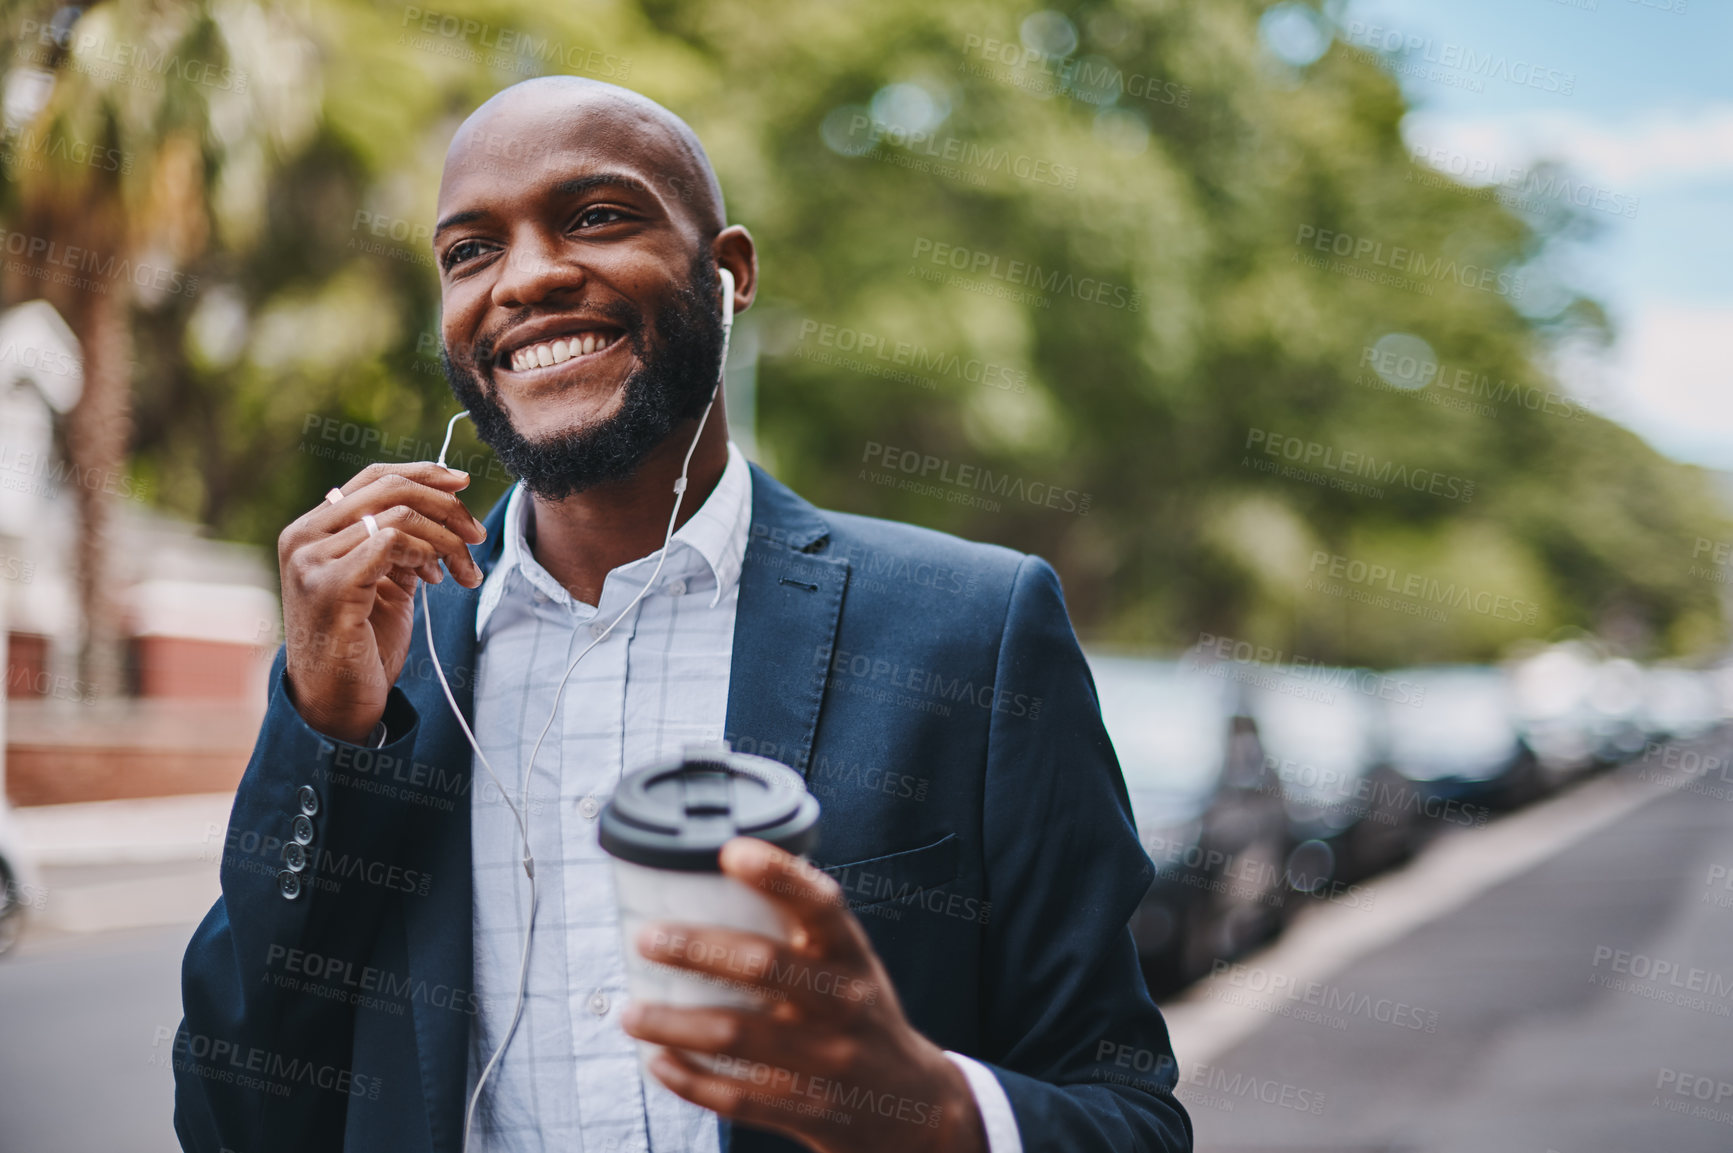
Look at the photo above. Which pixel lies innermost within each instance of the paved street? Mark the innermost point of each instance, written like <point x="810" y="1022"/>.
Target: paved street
<point x="1519" y="1023"/>
<point x="1492" y="1000"/>
<point x="81" y="1070"/>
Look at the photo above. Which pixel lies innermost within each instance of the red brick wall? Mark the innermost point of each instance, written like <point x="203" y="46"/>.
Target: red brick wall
<point x="26" y="665"/>
<point x="60" y="751"/>
<point x="58" y="774"/>
<point x="182" y="669"/>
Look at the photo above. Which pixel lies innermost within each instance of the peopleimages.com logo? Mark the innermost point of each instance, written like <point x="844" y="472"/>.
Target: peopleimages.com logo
<point x="140" y="65"/>
<point x="1025" y="274"/>
<point x="969" y="477"/>
<point x="1311" y="454"/>
<point x="1421" y="589"/>
<point x="1243" y="661"/>
<point x="1409" y="261"/>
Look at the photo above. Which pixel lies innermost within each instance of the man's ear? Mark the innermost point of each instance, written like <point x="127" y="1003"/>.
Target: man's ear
<point x="734" y="250"/>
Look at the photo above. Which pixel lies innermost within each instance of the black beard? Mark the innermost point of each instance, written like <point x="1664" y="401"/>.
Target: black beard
<point x="672" y="384"/>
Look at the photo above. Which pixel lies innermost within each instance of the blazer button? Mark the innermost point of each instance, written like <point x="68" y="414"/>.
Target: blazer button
<point x="309" y="800"/>
<point x="295" y="856"/>
<point x="303" y="829"/>
<point x="289" y="884"/>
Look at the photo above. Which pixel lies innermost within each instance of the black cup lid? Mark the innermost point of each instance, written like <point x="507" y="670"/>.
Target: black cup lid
<point x="678" y="814"/>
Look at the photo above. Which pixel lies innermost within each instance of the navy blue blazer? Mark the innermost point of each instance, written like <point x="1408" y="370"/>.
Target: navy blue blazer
<point x="933" y="694"/>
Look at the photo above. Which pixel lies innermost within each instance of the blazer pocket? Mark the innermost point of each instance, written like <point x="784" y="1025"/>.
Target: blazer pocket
<point x="873" y="880"/>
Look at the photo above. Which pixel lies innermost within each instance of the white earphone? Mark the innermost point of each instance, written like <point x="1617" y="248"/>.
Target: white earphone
<point x="529" y="862"/>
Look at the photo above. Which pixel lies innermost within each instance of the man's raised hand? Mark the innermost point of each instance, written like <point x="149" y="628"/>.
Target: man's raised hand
<point x="348" y="606"/>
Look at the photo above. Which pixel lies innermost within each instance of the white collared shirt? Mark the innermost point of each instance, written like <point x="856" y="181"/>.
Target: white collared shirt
<point x="570" y="1078"/>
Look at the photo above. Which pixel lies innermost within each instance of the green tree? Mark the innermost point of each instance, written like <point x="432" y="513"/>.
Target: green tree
<point x="1065" y="258"/>
<point x="133" y="131"/>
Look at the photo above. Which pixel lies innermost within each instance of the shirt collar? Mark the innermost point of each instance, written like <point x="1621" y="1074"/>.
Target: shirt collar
<point x="717" y="533"/>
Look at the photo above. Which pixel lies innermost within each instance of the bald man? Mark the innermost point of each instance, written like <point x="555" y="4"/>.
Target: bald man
<point x="376" y="976"/>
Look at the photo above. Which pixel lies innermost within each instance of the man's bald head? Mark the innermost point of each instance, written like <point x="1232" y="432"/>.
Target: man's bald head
<point x="580" y="242"/>
<point x="547" y="115"/>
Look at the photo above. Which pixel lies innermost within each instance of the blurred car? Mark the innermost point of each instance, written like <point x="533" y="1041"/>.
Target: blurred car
<point x="1720" y="679"/>
<point x="1462" y="748"/>
<point x="1349" y="813"/>
<point x="1679" y="704"/>
<point x="1551" y="692"/>
<point x="1616" y="698"/>
<point x="1209" y="813"/>
<point x="18" y="887"/>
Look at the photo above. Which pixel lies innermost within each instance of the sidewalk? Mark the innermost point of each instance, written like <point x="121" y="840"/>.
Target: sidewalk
<point x="62" y="752"/>
<point x="123" y="864"/>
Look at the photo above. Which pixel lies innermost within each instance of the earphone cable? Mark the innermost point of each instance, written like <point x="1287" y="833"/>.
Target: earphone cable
<point x="518" y="813"/>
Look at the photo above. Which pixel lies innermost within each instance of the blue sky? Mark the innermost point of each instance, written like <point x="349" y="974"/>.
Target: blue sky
<point x="1649" y="115"/>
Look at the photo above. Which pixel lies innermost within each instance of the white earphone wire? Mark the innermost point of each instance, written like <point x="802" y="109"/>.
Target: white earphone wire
<point x="518" y="813"/>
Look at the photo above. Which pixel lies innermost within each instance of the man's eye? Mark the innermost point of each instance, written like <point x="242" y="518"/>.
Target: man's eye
<point x="599" y="215"/>
<point x="461" y="251"/>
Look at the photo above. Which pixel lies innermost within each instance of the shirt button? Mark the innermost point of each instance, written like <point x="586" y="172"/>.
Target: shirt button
<point x="599" y="1004"/>
<point x="589" y="807"/>
<point x="598" y="629"/>
<point x="676" y="588"/>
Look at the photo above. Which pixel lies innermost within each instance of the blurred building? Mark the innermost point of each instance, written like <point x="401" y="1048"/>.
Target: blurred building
<point x="201" y="615"/>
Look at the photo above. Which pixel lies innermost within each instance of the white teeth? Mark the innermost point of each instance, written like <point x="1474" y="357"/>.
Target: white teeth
<point x="557" y="351"/>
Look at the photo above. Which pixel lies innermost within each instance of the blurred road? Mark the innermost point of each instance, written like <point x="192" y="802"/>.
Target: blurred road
<point x="82" y="1068"/>
<point x="1499" y="996"/>
<point x="91" y="997"/>
<point x="1529" y="1019"/>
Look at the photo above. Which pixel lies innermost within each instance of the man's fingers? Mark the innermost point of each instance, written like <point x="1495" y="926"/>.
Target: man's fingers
<point x="429" y="488"/>
<point x="374" y="558"/>
<point x="411" y="522"/>
<point x="394" y="488"/>
<point x="398" y="586"/>
<point x="405" y="579"/>
<point x="740" y="1046"/>
<point x="737" y="1033"/>
<point x="344" y="544"/>
<point x="418" y="524"/>
<point x="737" y="1099"/>
<point x="421" y="471"/>
<point x="758" y="965"/>
<point x="811" y="896"/>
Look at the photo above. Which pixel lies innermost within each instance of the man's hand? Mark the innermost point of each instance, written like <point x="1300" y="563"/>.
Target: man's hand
<point x="348" y="598"/>
<point x="831" y="1061"/>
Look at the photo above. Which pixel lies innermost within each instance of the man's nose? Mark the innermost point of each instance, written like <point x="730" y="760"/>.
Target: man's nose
<point x="534" y="269"/>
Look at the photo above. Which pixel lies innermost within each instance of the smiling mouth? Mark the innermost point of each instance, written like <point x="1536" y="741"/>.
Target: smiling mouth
<point x="559" y="349"/>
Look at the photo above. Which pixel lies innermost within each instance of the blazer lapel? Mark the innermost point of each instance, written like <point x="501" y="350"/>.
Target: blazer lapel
<point x="784" y="628"/>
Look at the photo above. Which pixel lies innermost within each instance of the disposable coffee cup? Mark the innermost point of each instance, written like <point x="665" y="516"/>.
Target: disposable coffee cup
<point x="665" y="828"/>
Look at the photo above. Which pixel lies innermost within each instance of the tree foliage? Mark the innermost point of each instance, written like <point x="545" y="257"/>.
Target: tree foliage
<point x="1082" y="270"/>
